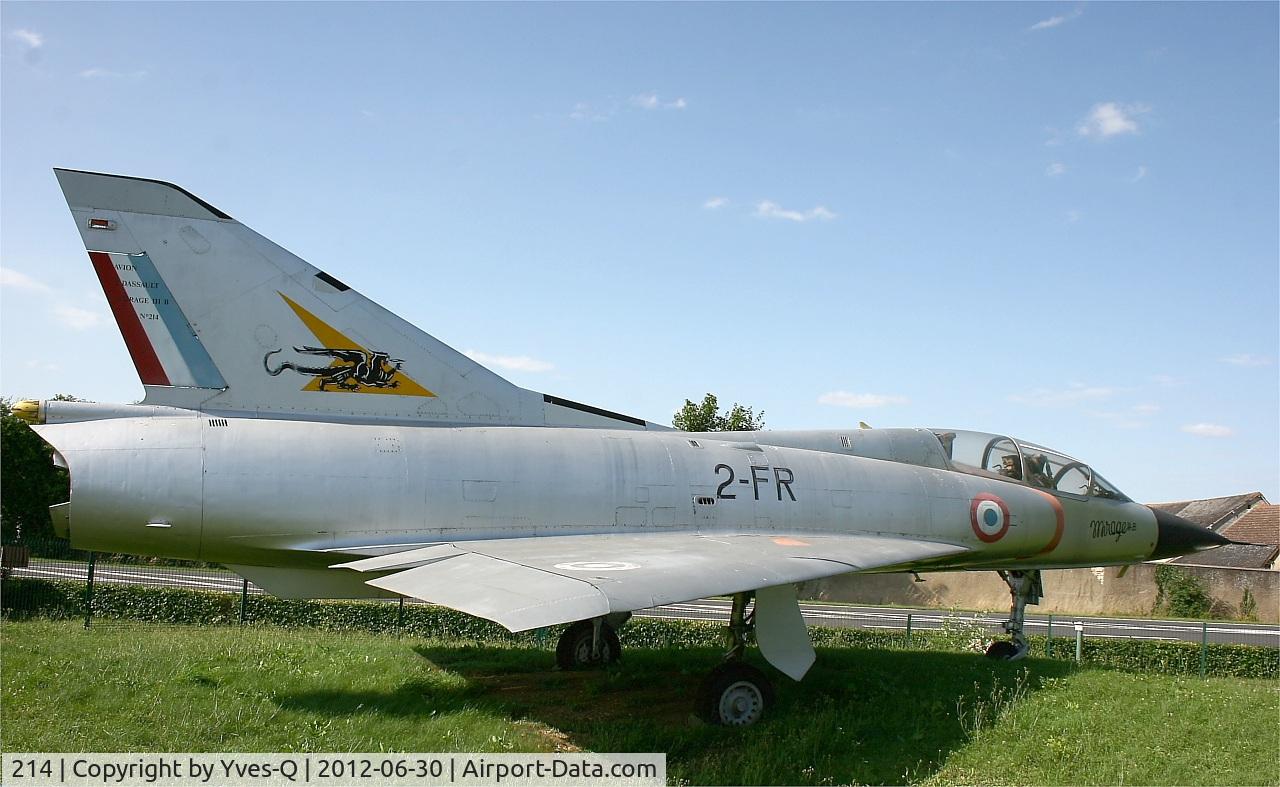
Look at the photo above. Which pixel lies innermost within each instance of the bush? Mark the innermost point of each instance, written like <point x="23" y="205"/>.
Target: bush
<point x="1248" y="606"/>
<point x="1181" y="594"/>
<point x="1183" y="658"/>
<point x="57" y="599"/>
<point x="41" y="598"/>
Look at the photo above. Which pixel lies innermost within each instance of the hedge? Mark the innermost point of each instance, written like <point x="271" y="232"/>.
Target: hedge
<point x="22" y="598"/>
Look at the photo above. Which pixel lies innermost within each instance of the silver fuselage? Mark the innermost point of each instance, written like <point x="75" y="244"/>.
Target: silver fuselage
<point x="279" y="493"/>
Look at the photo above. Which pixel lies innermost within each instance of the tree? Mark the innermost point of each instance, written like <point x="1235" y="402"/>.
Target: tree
<point x="706" y="417"/>
<point x="29" y="483"/>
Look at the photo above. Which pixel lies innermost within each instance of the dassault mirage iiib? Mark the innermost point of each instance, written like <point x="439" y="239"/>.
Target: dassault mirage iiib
<point x="323" y="447"/>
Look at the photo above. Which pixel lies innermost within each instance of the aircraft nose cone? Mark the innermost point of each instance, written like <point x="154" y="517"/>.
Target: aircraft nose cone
<point x="1176" y="536"/>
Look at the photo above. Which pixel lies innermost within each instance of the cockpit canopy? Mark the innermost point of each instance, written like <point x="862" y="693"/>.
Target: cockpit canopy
<point x="1010" y="459"/>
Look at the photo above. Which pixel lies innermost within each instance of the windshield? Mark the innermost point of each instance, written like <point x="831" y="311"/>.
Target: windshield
<point x="995" y="455"/>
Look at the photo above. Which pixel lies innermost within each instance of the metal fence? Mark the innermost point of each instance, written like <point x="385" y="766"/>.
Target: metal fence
<point x="1059" y="630"/>
<point x="1057" y="636"/>
<point x="55" y="560"/>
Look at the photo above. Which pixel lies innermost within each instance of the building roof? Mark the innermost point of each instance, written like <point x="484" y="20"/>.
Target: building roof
<point x="1233" y="556"/>
<point x="1215" y="512"/>
<point x="1260" y="525"/>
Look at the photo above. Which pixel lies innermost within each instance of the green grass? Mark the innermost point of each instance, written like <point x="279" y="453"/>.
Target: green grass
<point x="861" y="716"/>
<point x="1094" y="729"/>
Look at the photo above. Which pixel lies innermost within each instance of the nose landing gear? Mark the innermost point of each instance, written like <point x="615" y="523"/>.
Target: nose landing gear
<point x="1025" y="588"/>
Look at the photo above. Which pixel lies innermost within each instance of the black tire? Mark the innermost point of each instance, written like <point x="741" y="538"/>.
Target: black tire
<point x="573" y="651"/>
<point x="734" y="695"/>
<point x="1002" y="650"/>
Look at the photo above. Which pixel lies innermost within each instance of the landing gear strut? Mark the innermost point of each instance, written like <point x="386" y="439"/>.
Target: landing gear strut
<point x="1025" y="588"/>
<point x="736" y="694"/>
<point x="589" y="643"/>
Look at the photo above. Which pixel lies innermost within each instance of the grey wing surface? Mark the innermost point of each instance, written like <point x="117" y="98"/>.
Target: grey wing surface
<point x="527" y="583"/>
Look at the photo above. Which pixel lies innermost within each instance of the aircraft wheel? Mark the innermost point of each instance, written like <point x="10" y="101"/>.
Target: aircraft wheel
<point x="735" y="695"/>
<point x="573" y="651"/>
<point x="1002" y="650"/>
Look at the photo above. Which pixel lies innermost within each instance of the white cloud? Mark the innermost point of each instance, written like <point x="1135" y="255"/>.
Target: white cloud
<point x="612" y="107"/>
<point x="1055" y="169"/>
<point x="1139" y="175"/>
<point x="1208" y="430"/>
<point x="73" y="317"/>
<point x="1054" y="21"/>
<point x="106" y="73"/>
<point x="1072" y="394"/>
<point x="1134" y="417"/>
<point x="1045" y="24"/>
<point x="21" y="281"/>
<point x="1166" y="380"/>
<point x="31" y="38"/>
<point x="766" y="209"/>
<point x="1245" y="359"/>
<point x="586" y="111"/>
<point x="715" y="202"/>
<point x="518" y="363"/>
<point x="1073" y="216"/>
<point x="650" y="101"/>
<point x="76" y="318"/>
<point x="1119" y="420"/>
<point x="1111" y="119"/>
<point x="846" y="399"/>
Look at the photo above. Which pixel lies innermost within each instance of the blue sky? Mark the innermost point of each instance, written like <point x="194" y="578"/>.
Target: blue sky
<point x="1057" y="221"/>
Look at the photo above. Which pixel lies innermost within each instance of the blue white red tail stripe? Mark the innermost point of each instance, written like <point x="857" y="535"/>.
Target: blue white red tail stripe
<point x="163" y="345"/>
<point x="193" y="353"/>
<point x="135" y="338"/>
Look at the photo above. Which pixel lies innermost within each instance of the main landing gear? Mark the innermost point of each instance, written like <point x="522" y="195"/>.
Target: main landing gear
<point x="733" y="694"/>
<point x="736" y="694"/>
<point x="1025" y="588"/>
<point x="590" y="643"/>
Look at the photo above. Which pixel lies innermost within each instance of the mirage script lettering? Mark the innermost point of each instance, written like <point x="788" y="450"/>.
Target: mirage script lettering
<point x="1107" y="528"/>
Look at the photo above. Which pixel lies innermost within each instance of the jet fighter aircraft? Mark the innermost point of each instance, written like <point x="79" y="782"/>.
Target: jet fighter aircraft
<point x="323" y="447"/>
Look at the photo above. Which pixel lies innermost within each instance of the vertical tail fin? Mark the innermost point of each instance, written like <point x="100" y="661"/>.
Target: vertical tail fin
<point x="217" y="317"/>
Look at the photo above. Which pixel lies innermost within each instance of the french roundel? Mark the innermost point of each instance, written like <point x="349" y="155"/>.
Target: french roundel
<point x="989" y="517"/>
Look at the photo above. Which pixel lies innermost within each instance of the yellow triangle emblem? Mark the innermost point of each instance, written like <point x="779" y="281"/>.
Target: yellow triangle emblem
<point x="354" y="369"/>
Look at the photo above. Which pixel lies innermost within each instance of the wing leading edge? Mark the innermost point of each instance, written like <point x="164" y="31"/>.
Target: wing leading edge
<point x="527" y="583"/>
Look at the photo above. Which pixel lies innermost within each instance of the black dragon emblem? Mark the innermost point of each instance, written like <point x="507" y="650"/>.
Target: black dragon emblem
<point x="356" y="368"/>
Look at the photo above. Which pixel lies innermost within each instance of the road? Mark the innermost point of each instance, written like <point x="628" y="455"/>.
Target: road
<point x="895" y="619"/>
<point x="838" y="615"/>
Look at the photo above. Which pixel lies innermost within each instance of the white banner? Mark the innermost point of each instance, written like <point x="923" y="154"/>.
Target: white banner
<point x="281" y="770"/>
